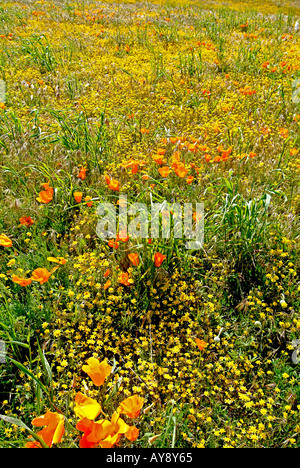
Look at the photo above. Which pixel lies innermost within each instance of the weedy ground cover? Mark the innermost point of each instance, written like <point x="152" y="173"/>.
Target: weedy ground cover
<point x="128" y="342"/>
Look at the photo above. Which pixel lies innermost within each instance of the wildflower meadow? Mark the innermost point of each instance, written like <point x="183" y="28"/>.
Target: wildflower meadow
<point x="149" y="224"/>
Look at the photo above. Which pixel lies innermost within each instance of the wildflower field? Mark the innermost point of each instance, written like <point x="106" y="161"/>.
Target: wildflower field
<point x="140" y="342"/>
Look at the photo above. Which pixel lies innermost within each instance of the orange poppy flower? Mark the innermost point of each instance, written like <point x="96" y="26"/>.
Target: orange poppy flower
<point x="82" y="173"/>
<point x="158" y="159"/>
<point x="173" y="140"/>
<point x="252" y="154"/>
<point x="46" y="195"/>
<point x="201" y="344"/>
<point x="88" y="202"/>
<point x="124" y="279"/>
<point x="115" y="429"/>
<point x="114" y="185"/>
<point x="161" y="151"/>
<point x="192" y="147"/>
<point x="21" y="281"/>
<point x="86" y="407"/>
<point x="42" y="275"/>
<point x="97" y="371"/>
<point x="134" y="258"/>
<point x="226" y="153"/>
<point x="181" y="170"/>
<point x="111" y="439"/>
<point x="93" y="432"/>
<point x="78" y="196"/>
<point x="33" y="444"/>
<point x="158" y="259"/>
<point x="134" y="168"/>
<point x="54" y="430"/>
<point x="113" y="244"/>
<point x="107" y="273"/>
<point x="132" y="433"/>
<point x="26" y="221"/>
<point x="104" y="433"/>
<point x="5" y="241"/>
<point x="189" y="179"/>
<point x="164" y="171"/>
<point x="107" y="284"/>
<point x="131" y="406"/>
<point x="85" y="425"/>
<point x="119" y="426"/>
<point x="145" y="177"/>
<point x="60" y="260"/>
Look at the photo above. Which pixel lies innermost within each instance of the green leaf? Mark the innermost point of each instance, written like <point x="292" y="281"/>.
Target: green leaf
<point x="30" y="374"/>
<point x="15" y="421"/>
<point x="45" y="364"/>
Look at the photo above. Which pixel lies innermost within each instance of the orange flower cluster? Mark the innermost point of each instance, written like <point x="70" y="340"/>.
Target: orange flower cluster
<point x="122" y="236"/>
<point x="82" y="173"/>
<point x="40" y="275"/>
<point x="102" y="433"/>
<point x="247" y="91"/>
<point x="125" y="279"/>
<point x="134" y="164"/>
<point x="26" y="221"/>
<point x="224" y="154"/>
